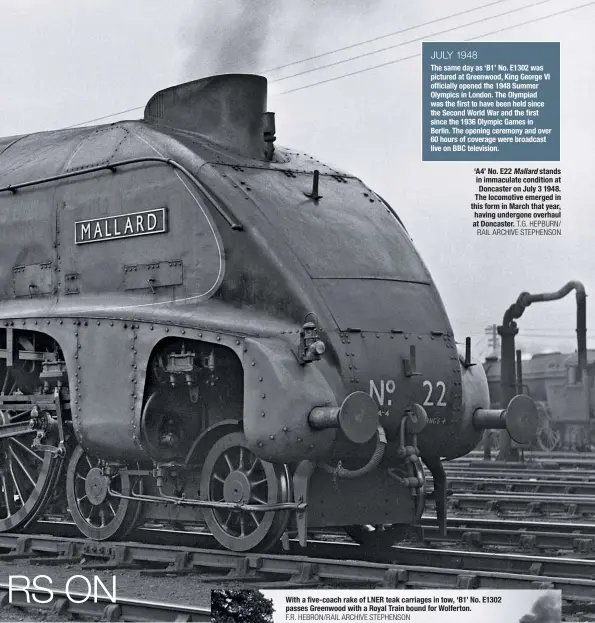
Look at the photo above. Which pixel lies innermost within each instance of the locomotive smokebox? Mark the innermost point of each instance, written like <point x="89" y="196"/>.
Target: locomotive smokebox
<point x="227" y="110"/>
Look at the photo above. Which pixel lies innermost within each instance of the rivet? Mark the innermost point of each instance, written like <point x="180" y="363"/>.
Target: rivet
<point x="253" y="363"/>
<point x="259" y="444"/>
<point x="260" y="378"/>
<point x="111" y="324"/>
<point x="285" y="429"/>
<point x="151" y="327"/>
<point x="272" y="437"/>
<point x="263" y="395"/>
<point x="218" y="338"/>
<point x="262" y="413"/>
<point x="167" y="329"/>
<point x="98" y="323"/>
<point x="300" y="439"/>
<point x="183" y="332"/>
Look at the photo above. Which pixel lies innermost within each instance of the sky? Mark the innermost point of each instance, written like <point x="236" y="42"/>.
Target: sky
<point x="68" y="61"/>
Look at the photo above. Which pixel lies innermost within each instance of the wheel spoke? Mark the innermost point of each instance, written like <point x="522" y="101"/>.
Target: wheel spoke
<point x="16" y="458"/>
<point x="83" y="497"/>
<point x="16" y="484"/>
<point x="218" y="478"/>
<point x="89" y="461"/>
<point x="254" y="518"/>
<point x="258" y="482"/>
<point x="112" y="509"/>
<point x="253" y="466"/>
<point x="18" y="415"/>
<point x="228" y="461"/>
<point x="26" y="449"/>
<point x="9" y="506"/>
<point x="242" y="526"/>
<point x="258" y="499"/>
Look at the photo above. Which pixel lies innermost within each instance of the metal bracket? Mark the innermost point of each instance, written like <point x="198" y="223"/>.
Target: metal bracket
<point x="410" y="365"/>
<point x="301" y="481"/>
<point x="314" y="194"/>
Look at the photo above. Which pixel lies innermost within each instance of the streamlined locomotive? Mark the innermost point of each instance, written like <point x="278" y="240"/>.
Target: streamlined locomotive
<point x="199" y="326"/>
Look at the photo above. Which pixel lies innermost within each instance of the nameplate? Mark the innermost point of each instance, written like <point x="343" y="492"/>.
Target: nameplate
<point x="121" y="226"/>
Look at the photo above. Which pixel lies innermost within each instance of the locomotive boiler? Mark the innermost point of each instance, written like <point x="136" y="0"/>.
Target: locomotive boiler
<point x="198" y="325"/>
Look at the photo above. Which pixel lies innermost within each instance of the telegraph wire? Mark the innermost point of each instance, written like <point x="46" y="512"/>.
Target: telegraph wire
<point x="390" y="34"/>
<point x="121" y="112"/>
<point x="406" y="58"/>
<point x="397" y="45"/>
<point x="114" y="114"/>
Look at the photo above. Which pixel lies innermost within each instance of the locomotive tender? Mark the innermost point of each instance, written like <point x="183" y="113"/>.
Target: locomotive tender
<point x="197" y="326"/>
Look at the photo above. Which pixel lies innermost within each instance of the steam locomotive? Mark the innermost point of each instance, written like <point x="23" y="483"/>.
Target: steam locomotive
<point x="199" y="326"/>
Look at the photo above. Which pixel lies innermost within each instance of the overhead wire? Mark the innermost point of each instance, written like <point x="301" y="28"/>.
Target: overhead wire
<point x="380" y="37"/>
<point x="121" y="112"/>
<point x="401" y="43"/>
<point x="406" y="58"/>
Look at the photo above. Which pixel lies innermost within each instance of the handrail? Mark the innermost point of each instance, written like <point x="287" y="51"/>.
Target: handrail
<point x="112" y="166"/>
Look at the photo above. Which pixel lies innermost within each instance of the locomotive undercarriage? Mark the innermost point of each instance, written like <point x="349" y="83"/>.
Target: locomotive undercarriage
<point x="202" y="468"/>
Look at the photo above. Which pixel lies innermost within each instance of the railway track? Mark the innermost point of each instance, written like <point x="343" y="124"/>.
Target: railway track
<point x="540" y="454"/>
<point x="563" y="462"/>
<point x="533" y="536"/>
<point x="519" y="484"/>
<point x="100" y="608"/>
<point x="521" y="504"/>
<point x="328" y="563"/>
<point x="495" y="474"/>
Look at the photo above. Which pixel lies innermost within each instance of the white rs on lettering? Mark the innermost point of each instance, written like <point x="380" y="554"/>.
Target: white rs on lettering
<point x="427" y="402"/>
<point x="382" y="392"/>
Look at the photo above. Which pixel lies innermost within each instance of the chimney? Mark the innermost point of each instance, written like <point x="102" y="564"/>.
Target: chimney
<point x="227" y="109"/>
